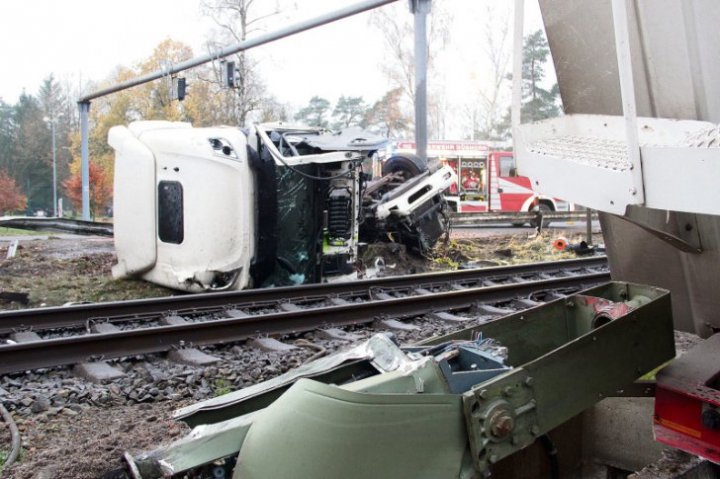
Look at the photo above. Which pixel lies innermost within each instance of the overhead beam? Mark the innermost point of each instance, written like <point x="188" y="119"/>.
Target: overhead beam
<point x="84" y="101"/>
<point x="293" y="29"/>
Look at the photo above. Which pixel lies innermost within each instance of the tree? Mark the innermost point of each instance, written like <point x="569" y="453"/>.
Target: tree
<point x="7" y="136"/>
<point x="11" y="198"/>
<point x="53" y="100"/>
<point x="489" y="102"/>
<point x="349" y="111"/>
<point x="155" y="99"/>
<point x="314" y="114"/>
<point x="273" y="110"/>
<point x="237" y="19"/>
<point x="386" y="115"/>
<point x="538" y="103"/>
<point x="101" y="188"/>
<point x="396" y="25"/>
<point x="32" y="155"/>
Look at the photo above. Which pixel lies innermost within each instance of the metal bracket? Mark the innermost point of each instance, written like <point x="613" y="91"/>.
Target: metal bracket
<point x="500" y="417"/>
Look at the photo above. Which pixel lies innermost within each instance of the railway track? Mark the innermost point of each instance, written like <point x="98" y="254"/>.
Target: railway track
<point x="64" y="335"/>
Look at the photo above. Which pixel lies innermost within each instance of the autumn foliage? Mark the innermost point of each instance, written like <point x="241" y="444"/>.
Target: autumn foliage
<point x="11" y="198"/>
<point x="101" y="189"/>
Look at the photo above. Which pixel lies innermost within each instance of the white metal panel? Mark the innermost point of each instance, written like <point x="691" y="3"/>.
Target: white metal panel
<point x="218" y="206"/>
<point x="683" y="179"/>
<point x="584" y="158"/>
<point x="133" y="203"/>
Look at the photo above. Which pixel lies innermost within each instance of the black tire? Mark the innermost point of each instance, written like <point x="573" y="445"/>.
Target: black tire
<point x="409" y="165"/>
<point x="544" y="208"/>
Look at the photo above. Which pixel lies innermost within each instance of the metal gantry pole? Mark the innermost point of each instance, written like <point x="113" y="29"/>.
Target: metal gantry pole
<point x="421" y="9"/>
<point x="54" y="156"/>
<point x="588" y="226"/>
<point x="85" y="158"/>
<point x="517" y="63"/>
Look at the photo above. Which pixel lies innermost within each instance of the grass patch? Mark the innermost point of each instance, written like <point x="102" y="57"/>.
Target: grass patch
<point x="16" y="232"/>
<point x="3" y="458"/>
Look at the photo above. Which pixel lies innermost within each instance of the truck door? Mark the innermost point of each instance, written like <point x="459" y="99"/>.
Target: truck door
<point x="512" y="190"/>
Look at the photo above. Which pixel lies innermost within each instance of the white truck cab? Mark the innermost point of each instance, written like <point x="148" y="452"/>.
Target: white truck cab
<point x="200" y="209"/>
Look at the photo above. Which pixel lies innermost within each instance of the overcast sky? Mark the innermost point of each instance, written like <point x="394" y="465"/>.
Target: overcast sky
<point x="81" y="40"/>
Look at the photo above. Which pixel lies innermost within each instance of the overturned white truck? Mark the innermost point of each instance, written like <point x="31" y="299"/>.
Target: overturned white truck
<point x="201" y="209"/>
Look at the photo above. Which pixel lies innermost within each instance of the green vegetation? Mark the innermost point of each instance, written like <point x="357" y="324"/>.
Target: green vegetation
<point x="221" y="386"/>
<point x="16" y="232"/>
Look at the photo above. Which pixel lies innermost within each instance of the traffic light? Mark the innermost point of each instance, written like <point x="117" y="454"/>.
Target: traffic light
<point x="179" y="86"/>
<point x="230" y="74"/>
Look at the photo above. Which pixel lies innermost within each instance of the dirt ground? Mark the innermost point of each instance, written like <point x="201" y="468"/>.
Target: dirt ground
<point x="84" y="442"/>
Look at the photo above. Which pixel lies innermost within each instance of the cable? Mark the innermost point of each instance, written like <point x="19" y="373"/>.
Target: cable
<point x="302" y="173"/>
<point x="312" y="177"/>
<point x="552" y="454"/>
<point x="307" y="344"/>
<point x="15" y="437"/>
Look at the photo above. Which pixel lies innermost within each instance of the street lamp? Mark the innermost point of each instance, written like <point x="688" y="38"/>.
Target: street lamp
<point x="52" y="121"/>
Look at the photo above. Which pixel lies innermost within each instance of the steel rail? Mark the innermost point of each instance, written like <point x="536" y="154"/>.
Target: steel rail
<point x="77" y="316"/>
<point x="75" y="349"/>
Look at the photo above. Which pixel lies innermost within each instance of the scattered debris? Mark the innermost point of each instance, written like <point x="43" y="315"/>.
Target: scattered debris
<point x="581" y="249"/>
<point x="12" y="249"/>
<point x="9" y="297"/>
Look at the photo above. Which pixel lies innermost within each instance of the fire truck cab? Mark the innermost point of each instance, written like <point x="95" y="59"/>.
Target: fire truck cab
<point x="487" y="179"/>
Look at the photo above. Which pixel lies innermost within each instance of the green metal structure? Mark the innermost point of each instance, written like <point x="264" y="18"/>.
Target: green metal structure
<point x="448" y="408"/>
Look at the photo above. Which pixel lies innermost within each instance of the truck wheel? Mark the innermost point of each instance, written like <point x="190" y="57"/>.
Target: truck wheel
<point x="543" y="209"/>
<point x="410" y="165"/>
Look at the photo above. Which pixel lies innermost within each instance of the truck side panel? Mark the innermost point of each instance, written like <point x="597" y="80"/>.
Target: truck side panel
<point x="133" y="204"/>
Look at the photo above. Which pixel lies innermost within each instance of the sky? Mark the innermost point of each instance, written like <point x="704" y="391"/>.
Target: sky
<point x="81" y="40"/>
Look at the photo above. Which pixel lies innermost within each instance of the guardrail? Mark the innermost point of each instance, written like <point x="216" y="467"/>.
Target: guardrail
<point x="474" y="219"/>
<point x="58" y="225"/>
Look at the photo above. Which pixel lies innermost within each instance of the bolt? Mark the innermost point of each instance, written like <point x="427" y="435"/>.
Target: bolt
<point x="633" y="191"/>
<point x="502" y="426"/>
<point x="529" y="381"/>
<point x="507" y="391"/>
<point x="483" y="394"/>
<point x="493" y="458"/>
<point x="534" y="430"/>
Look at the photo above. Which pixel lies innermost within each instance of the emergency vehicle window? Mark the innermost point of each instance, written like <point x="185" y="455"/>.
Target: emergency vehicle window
<point x="507" y="166"/>
<point x="170" y="212"/>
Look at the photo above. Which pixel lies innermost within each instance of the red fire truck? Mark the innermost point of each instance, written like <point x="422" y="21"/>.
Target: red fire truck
<point x="487" y="179"/>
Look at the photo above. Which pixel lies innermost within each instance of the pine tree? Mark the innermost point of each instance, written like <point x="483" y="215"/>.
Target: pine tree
<point x="538" y="103"/>
<point x="315" y="113"/>
<point x="349" y="111"/>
